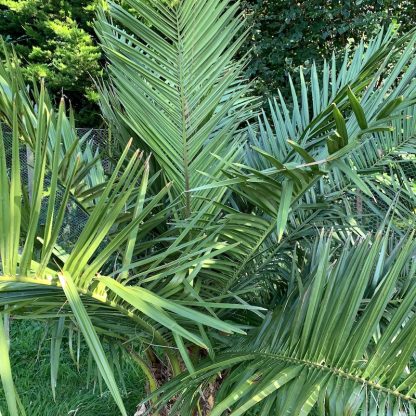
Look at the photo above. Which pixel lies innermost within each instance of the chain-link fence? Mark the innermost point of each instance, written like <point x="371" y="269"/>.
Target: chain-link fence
<point x="75" y="216"/>
<point x="101" y="140"/>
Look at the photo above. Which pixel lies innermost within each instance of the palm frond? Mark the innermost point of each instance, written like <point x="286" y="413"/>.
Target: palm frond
<point x="296" y="170"/>
<point x="175" y="65"/>
<point x="40" y="280"/>
<point x="330" y="348"/>
<point x="364" y="97"/>
<point x="90" y="174"/>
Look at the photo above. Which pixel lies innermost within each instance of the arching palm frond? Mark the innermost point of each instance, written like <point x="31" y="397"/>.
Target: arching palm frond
<point x="180" y="90"/>
<point x="39" y="279"/>
<point x="359" y="87"/>
<point x="301" y="176"/>
<point x="330" y="349"/>
<point x="361" y="96"/>
<point x="14" y="91"/>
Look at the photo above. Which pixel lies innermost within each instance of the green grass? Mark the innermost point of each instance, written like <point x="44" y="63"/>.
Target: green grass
<point x="31" y="369"/>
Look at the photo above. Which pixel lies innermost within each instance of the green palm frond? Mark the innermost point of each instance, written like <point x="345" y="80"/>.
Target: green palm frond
<point x="364" y="97"/>
<point x="39" y="280"/>
<point x="384" y="68"/>
<point x="299" y="177"/>
<point x="329" y="349"/>
<point x="174" y="65"/>
<point x="90" y="177"/>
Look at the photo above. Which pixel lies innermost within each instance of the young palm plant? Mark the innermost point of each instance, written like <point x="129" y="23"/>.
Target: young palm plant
<point x="39" y="279"/>
<point x="300" y="172"/>
<point x="220" y="232"/>
<point x="334" y="346"/>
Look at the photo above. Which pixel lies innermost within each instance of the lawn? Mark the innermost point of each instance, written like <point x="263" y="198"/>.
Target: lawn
<point x="77" y="393"/>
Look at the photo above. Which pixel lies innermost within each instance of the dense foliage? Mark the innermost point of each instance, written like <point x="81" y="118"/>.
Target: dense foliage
<point x="288" y="34"/>
<point x="55" y="41"/>
<point x="243" y="261"/>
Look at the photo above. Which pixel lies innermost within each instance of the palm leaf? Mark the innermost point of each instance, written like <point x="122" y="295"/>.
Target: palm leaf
<point x="177" y="69"/>
<point x="329" y="156"/>
<point x="329" y="348"/>
<point x="364" y="94"/>
<point x="90" y="171"/>
<point x="31" y="282"/>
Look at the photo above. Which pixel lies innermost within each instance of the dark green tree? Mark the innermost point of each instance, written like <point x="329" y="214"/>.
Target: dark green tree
<point x="286" y="34"/>
<point x="55" y="41"/>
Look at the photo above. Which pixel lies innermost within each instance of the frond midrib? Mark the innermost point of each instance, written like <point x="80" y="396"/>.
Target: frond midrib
<point x="338" y="372"/>
<point x="183" y="104"/>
